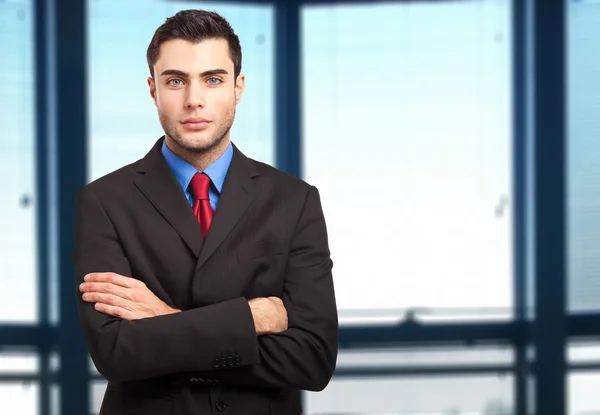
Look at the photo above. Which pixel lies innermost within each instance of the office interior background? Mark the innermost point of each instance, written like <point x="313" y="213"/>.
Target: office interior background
<point x="466" y="132"/>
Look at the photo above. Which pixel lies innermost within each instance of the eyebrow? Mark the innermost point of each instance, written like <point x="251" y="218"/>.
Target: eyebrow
<point x="183" y="74"/>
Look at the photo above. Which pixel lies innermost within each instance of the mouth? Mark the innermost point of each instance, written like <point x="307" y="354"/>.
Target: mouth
<point x="195" y="124"/>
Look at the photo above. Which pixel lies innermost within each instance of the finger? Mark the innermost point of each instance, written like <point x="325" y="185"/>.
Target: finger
<point x="114" y="311"/>
<point x="108" y="299"/>
<point x="102" y="287"/>
<point x="103" y="298"/>
<point x="106" y="287"/>
<point x="111" y="277"/>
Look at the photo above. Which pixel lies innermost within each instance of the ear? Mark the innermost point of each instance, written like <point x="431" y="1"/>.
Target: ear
<point x="152" y="86"/>
<point x="239" y="87"/>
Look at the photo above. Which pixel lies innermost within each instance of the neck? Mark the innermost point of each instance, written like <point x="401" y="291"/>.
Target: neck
<point x="199" y="159"/>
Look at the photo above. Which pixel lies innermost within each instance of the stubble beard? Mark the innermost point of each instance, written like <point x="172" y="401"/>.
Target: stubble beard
<point x="194" y="145"/>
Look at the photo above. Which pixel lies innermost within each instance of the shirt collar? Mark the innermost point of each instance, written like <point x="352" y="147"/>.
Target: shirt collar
<point x="183" y="171"/>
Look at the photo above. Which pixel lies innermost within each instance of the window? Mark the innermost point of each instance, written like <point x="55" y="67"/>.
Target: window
<point x="409" y="392"/>
<point x="19" y="362"/>
<point x="123" y="120"/>
<point x="407" y="134"/>
<point x="583" y="185"/>
<point x="18" y="296"/>
<point x="584" y="352"/>
<point x="19" y="398"/>
<point x="583" y="397"/>
<point x="429" y="357"/>
<point x="447" y="395"/>
<point x="97" y="390"/>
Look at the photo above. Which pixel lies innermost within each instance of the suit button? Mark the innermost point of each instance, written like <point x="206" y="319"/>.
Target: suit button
<point x="201" y="381"/>
<point x="193" y="381"/>
<point x="224" y="362"/>
<point x="216" y="363"/>
<point x="215" y="382"/>
<point x="220" y="405"/>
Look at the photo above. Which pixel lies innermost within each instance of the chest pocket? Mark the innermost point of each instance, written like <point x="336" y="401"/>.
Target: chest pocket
<point x="271" y="246"/>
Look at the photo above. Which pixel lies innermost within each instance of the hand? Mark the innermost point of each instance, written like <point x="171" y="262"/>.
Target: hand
<point x="122" y="297"/>
<point x="269" y="314"/>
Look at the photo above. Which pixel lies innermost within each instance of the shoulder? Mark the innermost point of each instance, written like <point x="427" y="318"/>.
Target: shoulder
<point x="117" y="182"/>
<point x="280" y="180"/>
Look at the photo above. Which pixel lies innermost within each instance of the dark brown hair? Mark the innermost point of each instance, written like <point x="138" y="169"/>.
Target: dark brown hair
<point x="195" y="26"/>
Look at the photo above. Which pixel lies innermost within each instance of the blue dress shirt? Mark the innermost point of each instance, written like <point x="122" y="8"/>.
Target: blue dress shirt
<point x="183" y="172"/>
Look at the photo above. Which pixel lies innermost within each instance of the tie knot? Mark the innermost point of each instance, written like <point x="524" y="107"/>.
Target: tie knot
<point x="200" y="183"/>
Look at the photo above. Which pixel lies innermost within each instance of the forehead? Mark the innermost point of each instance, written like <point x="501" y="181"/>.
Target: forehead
<point x="194" y="57"/>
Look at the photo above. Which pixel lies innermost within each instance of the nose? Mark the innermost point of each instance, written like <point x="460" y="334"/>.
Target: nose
<point x="195" y="96"/>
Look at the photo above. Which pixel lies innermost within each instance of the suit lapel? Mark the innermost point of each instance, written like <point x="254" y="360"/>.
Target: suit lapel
<point x="156" y="181"/>
<point x="237" y="195"/>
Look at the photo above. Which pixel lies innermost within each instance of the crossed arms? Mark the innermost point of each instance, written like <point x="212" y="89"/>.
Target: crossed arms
<point x="131" y="334"/>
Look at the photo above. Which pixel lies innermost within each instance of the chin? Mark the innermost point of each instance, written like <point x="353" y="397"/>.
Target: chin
<point x="197" y="143"/>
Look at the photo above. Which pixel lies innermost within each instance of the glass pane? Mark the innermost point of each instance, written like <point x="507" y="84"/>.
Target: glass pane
<point x="439" y="357"/>
<point x="97" y="389"/>
<point x="17" y="163"/>
<point x="584" y="352"/>
<point x="443" y="395"/>
<point x="123" y="120"/>
<point x="19" y="398"/>
<point x="393" y="316"/>
<point x="407" y="134"/>
<point x="583" y="107"/>
<point x="583" y="398"/>
<point x="16" y="362"/>
<point x="54" y="362"/>
<point x="54" y="399"/>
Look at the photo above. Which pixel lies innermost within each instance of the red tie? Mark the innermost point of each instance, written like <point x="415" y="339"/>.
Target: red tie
<point x="202" y="209"/>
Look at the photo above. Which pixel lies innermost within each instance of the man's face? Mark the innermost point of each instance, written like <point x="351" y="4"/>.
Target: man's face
<point x="195" y="92"/>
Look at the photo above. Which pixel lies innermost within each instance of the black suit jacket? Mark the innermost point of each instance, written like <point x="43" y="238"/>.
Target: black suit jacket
<point x="268" y="238"/>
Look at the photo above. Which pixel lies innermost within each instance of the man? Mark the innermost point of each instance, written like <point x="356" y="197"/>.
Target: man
<point x="204" y="276"/>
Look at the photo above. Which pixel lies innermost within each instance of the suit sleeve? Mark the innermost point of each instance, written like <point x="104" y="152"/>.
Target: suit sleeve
<point x="304" y="356"/>
<point x="125" y="350"/>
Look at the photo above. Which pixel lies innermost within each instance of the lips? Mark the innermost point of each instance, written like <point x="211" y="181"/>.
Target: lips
<point x="196" y="124"/>
<point x="195" y="120"/>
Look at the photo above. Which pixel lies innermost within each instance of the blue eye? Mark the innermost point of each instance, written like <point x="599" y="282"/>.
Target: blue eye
<point x="175" y="80"/>
<point x="214" y="79"/>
